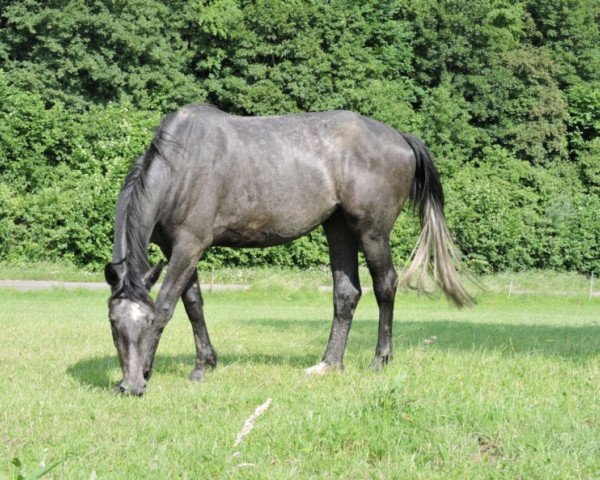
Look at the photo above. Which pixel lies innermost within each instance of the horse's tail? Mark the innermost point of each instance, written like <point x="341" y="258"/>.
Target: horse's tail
<point x="435" y="250"/>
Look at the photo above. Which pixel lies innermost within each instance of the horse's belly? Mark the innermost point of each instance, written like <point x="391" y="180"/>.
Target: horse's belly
<point x="253" y="238"/>
<point x="268" y="228"/>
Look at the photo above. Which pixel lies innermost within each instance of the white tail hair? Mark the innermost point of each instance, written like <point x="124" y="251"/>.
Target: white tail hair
<point x="435" y="252"/>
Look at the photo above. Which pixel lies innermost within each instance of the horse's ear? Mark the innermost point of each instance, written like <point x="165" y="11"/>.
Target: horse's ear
<point x="111" y="275"/>
<point x="151" y="276"/>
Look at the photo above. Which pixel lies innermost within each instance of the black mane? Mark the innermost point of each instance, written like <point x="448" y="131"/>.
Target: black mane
<point x="136" y="195"/>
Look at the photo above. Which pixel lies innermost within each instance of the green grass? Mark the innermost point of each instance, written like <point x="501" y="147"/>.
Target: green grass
<point x="47" y="271"/>
<point x="509" y="389"/>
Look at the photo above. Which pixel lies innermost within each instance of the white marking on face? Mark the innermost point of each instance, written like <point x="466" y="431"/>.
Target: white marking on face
<point x="137" y="315"/>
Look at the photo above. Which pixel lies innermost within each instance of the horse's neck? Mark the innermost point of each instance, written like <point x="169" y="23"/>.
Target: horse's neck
<point x="133" y="226"/>
<point x="120" y="248"/>
<point x="137" y="211"/>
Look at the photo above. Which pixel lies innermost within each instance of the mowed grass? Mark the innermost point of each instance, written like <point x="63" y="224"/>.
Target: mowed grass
<point x="508" y="389"/>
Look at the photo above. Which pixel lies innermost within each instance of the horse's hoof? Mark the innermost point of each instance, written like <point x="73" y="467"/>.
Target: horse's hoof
<point x="379" y="362"/>
<point x="321" y="368"/>
<point x="197" y="374"/>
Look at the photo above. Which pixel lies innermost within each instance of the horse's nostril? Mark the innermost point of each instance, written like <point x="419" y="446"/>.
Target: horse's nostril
<point x="138" y="391"/>
<point x="122" y="389"/>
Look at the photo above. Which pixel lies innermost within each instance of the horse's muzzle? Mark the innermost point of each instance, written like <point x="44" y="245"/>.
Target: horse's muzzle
<point x="135" y="390"/>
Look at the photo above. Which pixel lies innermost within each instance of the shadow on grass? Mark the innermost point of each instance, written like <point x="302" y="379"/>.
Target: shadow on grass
<point x="575" y="343"/>
<point x="98" y="372"/>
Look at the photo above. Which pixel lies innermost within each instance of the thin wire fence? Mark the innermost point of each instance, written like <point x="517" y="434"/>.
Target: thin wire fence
<point x="509" y="284"/>
<point x="543" y="283"/>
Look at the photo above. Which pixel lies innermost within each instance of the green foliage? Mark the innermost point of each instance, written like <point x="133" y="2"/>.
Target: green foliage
<point x="82" y="52"/>
<point x="571" y="233"/>
<point x="444" y="124"/>
<point x="492" y="210"/>
<point x="61" y="175"/>
<point x="31" y="137"/>
<point x="288" y="57"/>
<point x="505" y="94"/>
<point x="590" y="166"/>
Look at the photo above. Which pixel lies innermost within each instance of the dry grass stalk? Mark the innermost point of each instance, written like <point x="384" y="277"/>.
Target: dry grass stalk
<point x="249" y="424"/>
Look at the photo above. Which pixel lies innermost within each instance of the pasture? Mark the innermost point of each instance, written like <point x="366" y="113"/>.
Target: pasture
<point x="508" y="389"/>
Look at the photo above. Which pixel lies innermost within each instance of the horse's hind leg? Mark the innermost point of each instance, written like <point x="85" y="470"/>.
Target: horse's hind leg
<point x="205" y="354"/>
<point x="343" y="253"/>
<point x="377" y="252"/>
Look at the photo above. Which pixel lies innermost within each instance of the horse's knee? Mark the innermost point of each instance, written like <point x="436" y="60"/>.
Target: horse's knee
<point x="193" y="303"/>
<point x="193" y="298"/>
<point x="392" y="278"/>
<point x="346" y="297"/>
<point x="163" y="314"/>
<point x="385" y="288"/>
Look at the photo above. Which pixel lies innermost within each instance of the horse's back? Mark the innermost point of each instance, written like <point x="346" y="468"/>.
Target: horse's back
<point x="336" y="140"/>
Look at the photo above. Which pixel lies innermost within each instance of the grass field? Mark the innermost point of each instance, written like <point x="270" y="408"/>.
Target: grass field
<point x="509" y="389"/>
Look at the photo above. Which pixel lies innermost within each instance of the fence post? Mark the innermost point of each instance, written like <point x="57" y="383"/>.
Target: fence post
<point x="510" y="287"/>
<point x="212" y="279"/>
<point x="592" y="285"/>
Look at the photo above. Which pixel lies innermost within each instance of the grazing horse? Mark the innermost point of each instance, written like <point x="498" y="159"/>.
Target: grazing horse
<point x="210" y="178"/>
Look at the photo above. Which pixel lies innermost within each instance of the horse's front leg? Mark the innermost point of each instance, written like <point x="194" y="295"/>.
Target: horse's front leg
<point x="182" y="265"/>
<point x="206" y="357"/>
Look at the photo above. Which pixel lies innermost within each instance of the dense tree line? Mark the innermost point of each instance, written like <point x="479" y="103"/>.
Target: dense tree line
<point x="505" y="93"/>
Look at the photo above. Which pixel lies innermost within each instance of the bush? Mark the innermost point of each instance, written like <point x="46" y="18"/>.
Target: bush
<point x="492" y="211"/>
<point x="504" y="94"/>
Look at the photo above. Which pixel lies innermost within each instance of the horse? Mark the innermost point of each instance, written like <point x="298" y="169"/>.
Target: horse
<point x="210" y="178"/>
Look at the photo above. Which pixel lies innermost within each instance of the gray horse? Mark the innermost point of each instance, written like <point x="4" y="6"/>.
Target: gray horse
<point x="210" y="178"/>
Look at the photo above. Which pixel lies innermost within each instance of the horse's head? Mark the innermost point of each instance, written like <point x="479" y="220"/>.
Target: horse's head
<point x="131" y="314"/>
